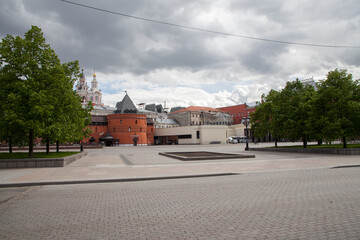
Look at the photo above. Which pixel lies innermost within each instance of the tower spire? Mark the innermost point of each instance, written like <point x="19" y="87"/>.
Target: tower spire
<point x="94" y="82"/>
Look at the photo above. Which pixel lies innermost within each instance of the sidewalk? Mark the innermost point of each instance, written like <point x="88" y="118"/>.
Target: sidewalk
<point x="144" y="163"/>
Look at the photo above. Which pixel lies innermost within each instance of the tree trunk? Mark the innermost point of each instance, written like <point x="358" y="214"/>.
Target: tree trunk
<point x="344" y="142"/>
<point x="276" y="143"/>
<point x="304" y="142"/>
<point x="57" y="146"/>
<point x="31" y="143"/>
<point x="10" y="145"/>
<point x="47" y="146"/>
<point x="320" y="142"/>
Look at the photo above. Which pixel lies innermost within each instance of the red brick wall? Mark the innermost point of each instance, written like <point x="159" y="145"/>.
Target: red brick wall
<point x="97" y="132"/>
<point x="238" y="112"/>
<point x="126" y="127"/>
<point x="150" y="134"/>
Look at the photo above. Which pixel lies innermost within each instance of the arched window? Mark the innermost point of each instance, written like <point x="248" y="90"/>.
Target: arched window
<point x="135" y="121"/>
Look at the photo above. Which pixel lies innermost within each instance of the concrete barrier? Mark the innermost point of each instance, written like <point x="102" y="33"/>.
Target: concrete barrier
<point x="338" y="151"/>
<point x="40" y="162"/>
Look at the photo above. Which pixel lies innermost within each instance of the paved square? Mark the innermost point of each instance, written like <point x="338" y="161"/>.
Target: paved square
<point x="292" y="204"/>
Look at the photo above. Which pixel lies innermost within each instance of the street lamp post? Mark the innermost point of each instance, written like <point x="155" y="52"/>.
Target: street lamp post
<point x="246" y="121"/>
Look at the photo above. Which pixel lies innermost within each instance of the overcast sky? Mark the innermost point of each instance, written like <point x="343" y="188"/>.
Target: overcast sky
<point x="155" y="63"/>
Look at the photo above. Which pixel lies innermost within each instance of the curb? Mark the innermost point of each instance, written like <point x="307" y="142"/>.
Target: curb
<point x="346" y="166"/>
<point x="31" y="184"/>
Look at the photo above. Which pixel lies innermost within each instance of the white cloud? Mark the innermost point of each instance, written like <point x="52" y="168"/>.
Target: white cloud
<point x="157" y="63"/>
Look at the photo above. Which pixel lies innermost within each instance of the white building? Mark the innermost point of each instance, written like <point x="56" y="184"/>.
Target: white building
<point x="201" y="134"/>
<point x="93" y="94"/>
<point x="164" y="122"/>
<point x="158" y="115"/>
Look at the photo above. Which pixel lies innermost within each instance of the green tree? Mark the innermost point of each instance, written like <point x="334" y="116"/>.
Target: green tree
<point x="285" y="114"/>
<point x="43" y="96"/>
<point x="336" y="107"/>
<point x="266" y="119"/>
<point x="294" y="108"/>
<point x="68" y="121"/>
<point x="12" y="120"/>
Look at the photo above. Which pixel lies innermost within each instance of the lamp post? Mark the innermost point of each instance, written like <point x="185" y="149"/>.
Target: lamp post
<point x="246" y="121"/>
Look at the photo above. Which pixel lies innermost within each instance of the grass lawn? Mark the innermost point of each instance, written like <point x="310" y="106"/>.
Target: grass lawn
<point x="323" y="146"/>
<point x="18" y="155"/>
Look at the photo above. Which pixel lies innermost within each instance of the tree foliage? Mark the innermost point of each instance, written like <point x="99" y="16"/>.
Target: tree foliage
<point x="294" y="108"/>
<point x="265" y="120"/>
<point x="336" y="107"/>
<point x="37" y="96"/>
<point x="300" y="112"/>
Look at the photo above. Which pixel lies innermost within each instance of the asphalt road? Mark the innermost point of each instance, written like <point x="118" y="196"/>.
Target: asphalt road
<point x="291" y="204"/>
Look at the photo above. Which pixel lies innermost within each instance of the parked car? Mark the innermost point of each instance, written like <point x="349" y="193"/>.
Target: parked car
<point x="232" y="140"/>
<point x="236" y="139"/>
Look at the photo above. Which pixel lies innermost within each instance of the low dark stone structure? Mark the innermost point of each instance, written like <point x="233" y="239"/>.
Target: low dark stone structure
<point x="203" y="155"/>
<point x="338" y="151"/>
<point x="40" y="162"/>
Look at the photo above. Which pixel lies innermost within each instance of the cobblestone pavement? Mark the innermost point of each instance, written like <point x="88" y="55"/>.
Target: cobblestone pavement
<point x="296" y="204"/>
<point x="145" y="162"/>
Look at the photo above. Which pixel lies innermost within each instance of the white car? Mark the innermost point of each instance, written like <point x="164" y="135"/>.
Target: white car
<point x="232" y="140"/>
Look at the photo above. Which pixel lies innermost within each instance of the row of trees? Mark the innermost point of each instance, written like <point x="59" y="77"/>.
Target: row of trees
<point x="37" y="99"/>
<point x="299" y="111"/>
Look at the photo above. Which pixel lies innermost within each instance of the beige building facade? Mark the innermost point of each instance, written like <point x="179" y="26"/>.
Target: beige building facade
<point x="196" y="116"/>
<point x="202" y="134"/>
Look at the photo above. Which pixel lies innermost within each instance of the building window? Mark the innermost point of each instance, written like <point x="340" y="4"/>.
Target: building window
<point x="120" y="121"/>
<point x="198" y="134"/>
<point x="129" y="129"/>
<point x="135" y="121"/>
<point x="185" y="136"/>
